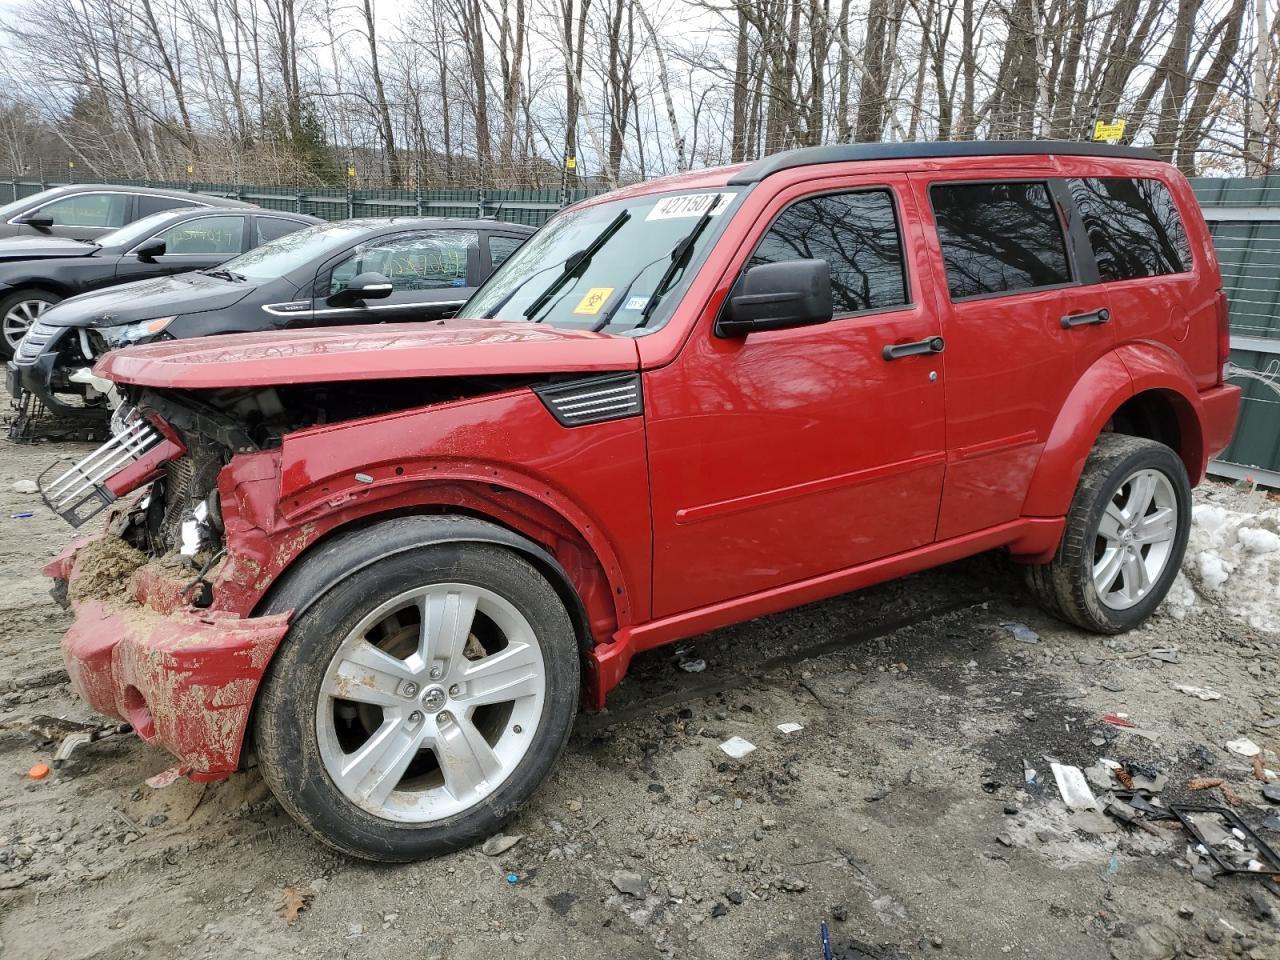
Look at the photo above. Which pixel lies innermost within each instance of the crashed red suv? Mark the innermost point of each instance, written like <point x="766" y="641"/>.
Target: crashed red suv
<point x="399" y="557"/>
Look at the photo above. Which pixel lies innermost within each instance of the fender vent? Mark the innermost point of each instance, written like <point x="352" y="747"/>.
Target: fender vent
<point x="594" y="399"/>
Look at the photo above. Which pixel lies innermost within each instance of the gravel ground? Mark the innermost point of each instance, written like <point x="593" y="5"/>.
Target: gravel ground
<point x="899" y="813"/>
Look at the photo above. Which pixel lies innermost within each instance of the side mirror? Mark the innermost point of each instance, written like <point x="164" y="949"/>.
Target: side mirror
<point x="150" y="250"/>
<point x="363" y="286"/>
<point x="775" y="296"/>
<point x="37" y="220"/>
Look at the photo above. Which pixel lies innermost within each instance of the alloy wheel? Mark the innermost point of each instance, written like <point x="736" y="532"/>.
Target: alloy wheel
<point x="431" y="702"/>
<point x="1135" y="538"/>
<point x="19" y="318"/>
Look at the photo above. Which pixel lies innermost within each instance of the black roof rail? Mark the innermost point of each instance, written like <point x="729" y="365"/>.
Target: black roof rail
<point x="851" y="152"/>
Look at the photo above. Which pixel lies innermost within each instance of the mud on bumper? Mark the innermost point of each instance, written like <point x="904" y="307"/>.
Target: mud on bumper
<point x="184" y="678"/>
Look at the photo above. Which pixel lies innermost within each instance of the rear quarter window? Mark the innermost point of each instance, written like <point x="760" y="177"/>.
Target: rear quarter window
<point x="1134" y="227"/>
<point x="999" y="237"/>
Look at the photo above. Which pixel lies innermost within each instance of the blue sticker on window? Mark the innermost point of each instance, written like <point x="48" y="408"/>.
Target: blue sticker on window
<point x="459" y="281"/>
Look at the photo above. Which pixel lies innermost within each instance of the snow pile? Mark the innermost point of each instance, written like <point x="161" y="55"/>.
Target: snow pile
<point x="1233" y="561"/>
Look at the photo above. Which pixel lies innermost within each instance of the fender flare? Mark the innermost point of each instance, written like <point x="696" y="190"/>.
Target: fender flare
<point x="1114" y="378"/>
<point x="437" y="530"/>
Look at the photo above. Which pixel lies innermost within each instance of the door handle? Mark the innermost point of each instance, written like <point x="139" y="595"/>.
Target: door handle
<point x="1092" y="318"/>
<point x="896" y="351"/>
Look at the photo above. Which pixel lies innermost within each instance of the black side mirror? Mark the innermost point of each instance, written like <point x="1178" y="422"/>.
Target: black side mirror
<point x="775" y="296"/>
<point x="150" y="250"/>
<point x="363" y="286"/>
<point x="36" y="220"/>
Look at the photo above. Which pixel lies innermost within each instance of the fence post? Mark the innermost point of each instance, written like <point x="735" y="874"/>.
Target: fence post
<point x="14" y="184"/>
<point x="351" y="202"/>
<point x="480" y="202"/>
<point x="297" y="201"/>
<point x="417" y="187"/>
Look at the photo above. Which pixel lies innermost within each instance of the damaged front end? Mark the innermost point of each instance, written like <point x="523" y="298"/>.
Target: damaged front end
<point x="165" y="636"/>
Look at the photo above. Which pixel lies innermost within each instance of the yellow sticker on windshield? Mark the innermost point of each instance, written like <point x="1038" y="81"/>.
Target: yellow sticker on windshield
<point x="590" y="304"/>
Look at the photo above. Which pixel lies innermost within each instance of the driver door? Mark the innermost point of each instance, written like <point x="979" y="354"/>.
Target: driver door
<point x="786" y="455"/>
<point x="198" y="244"/>
<point x="432" y="273"/>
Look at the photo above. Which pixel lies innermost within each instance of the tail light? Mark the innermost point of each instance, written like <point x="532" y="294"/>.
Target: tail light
<point x="133" y="456"/>
<point x="1224" y="335"/>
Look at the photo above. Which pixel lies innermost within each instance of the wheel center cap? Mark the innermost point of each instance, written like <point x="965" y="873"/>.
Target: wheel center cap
<point x="433" y="699"/>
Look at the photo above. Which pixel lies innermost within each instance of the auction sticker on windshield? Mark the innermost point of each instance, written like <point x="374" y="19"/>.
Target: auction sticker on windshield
<point x="689" y="205"/>
<point x="592" y="301"/>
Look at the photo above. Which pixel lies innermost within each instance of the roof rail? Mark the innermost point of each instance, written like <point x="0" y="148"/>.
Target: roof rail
<point x="851" y="152"/>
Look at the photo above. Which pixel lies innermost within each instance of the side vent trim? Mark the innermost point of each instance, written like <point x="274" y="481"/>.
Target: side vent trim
<point x="576" y="403"/>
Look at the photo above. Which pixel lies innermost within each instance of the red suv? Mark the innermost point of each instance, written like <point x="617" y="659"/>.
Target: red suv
<point x="400" y="556"/>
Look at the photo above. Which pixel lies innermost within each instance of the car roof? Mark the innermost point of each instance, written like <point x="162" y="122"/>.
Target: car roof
<point x="745" y="174"/>
<point x="203" y="198"/>
<point x="178" y="213"/>
<point x="450" y="223"/>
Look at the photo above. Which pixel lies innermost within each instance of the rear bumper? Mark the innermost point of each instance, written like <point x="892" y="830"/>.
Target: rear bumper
<point x="1221" y="409"/>
<point x="184" y="678"/>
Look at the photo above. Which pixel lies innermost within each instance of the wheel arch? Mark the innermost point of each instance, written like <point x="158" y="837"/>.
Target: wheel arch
<point x="1141" y="390"/>
<point x="41" y="284"/>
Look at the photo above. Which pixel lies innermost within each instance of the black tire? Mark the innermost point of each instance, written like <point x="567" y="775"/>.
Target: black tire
<point x="9" y="301"/>
<point x="366" y="569"/>
<point x="1065" y="586"/>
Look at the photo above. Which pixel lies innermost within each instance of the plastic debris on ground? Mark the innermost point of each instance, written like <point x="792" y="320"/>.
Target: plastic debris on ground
<point x="688" y="663"/>
<point x="1073" y="787"/>
<point x="1021" y="632"/>
<point x="499" y="844"/>
<point x="1228" y="841"/>
<point x="165" y="778"/>
<point x="737" y="747"/>
<point x="1202" y="693"/>
<point x="789" y="727"/>
<point x="1244" y="747"/>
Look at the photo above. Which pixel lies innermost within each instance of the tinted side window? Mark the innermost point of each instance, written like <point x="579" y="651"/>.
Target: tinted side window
<point x="857" y="234"/>
<point x="413" y="261"/>
<point x="999" y="237"/>
<point x="149" y="204"/>
<point x="270" y="228"/>
<point x="88" y="210"/>
<point x="207" y="235"/>
<point x="502" y="247"/>
<point x="1133" y="226"/>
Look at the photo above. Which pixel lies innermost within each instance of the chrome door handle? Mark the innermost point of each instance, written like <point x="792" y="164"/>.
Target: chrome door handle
<point x="1092" y="318"/>
<point x="896" y="351"/>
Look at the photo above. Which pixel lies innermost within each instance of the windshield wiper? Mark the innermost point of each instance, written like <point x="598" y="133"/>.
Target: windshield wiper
<point x="576" y="263"/>
<point x="680" y="255"/>
<point x="225" y="275"/>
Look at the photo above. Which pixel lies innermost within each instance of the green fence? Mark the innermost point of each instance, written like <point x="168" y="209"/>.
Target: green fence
<point x="530" y="207"/>
<point x="1244" y="216"/>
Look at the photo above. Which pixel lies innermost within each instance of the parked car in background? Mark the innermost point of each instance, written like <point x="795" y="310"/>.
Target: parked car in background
<point x="84" y="211"/>
<point x="355" y="271"/>
<point x="684" y="404"/>
<point x="36" y="273"/>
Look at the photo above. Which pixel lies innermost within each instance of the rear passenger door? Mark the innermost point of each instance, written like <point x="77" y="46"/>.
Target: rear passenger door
<point x="1022" y="316"/>
<point x="430" y="272"/>
<point x="789" y="454"/>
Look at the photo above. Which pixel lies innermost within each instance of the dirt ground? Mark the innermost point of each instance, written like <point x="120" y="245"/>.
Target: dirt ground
<point x="899" y="813"/>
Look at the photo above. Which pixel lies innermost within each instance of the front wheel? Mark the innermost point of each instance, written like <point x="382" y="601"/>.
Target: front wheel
<point x="1124" y="540"/>
<point x="18" y="312"/>
<point x="421" y="700"/>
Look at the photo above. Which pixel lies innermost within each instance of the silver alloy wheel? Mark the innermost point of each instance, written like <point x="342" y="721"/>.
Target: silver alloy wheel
<point x="1135" y="539"/>
<point x="431" y="702"/>
<point x="19" y="318"/>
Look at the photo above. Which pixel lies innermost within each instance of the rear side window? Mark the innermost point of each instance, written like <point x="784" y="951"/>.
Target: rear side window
<point x="1133" y="226"/>
<point x="999" y="237"/>
<point x="149" y="203"/>
<point x="267" y="229"/>
<point x="857" y="234"/>
<point x="502" y="247"/>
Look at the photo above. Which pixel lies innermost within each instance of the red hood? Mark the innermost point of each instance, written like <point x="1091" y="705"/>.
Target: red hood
<point x="441" y="349"/>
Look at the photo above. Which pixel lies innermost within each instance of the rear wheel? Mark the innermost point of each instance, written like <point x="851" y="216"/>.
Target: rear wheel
<point x="18" y="311"/>
<point x="1125" y="537"/>
<point x="420" y="701"/>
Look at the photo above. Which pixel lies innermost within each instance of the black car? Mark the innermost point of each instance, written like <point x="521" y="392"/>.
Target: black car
<point x="36" y="273"/>
<point x="354" y="271"/>
<point x="85" y="211"/>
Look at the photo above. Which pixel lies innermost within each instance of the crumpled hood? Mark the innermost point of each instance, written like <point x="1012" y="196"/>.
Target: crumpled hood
<point x="147" y="299"/>
<point x="43" y="248"/>
<point x="446" y="348"/>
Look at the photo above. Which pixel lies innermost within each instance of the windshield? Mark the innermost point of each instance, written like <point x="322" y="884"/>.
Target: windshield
<point x="293" y="250"/>
<point x="139" y="230"/>
<point x="12" y="209"/>
<point x="613" y="266"/>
